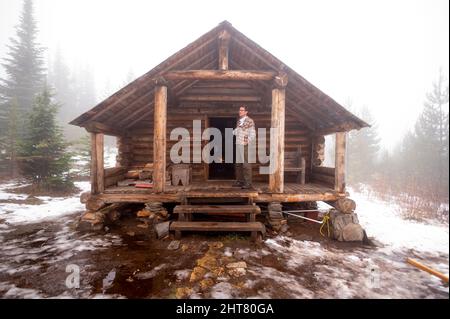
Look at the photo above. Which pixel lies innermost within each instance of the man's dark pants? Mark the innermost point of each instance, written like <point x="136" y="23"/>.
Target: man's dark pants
<point x="243" y="168"/>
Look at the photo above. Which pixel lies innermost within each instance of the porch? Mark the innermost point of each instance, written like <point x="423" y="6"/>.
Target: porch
<point x="222" y="190"/>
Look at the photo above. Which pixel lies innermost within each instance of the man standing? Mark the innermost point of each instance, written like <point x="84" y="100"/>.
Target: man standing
<point x="245" y="134"/>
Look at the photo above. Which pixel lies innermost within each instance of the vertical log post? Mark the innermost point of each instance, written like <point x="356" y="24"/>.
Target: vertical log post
<point x="224" y="40"/>
<point x="276" y="180"/>
<point x="159" y="136"/>
<point x="339" y="179"/>
<point x="97" y="167"/>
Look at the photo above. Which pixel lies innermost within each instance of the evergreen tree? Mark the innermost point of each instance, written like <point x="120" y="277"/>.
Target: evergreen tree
<point x="407" y="163"/>
<point x="9" y="143"/>
<point x="85" y="87"/>
<point x="75" y="91"/>
<point x="43" y="155"/>
<point x="59" y="75"/>
<point x="65" y="93"/>
<point x="432" y="138"/>
<point x="362" y="151"/>
<point x="385" y="166"/>
<point x="107" y="89"/>
<point x="84" y="98"/>
<point x="419" y="165"/>
<point x="24" y="68"/>
<point x="83" y="155"/>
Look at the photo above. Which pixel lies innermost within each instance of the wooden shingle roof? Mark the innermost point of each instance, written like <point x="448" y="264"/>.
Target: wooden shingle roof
<point x="134" y="102"/>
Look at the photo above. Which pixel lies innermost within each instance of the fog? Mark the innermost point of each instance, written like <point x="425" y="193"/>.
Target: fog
<point x="381" y="54"/>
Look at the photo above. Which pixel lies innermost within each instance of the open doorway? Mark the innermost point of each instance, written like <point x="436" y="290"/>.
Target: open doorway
<point x="222" y="171"/>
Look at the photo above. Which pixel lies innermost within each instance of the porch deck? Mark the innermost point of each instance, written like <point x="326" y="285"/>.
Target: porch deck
<point x="293" y="192"/>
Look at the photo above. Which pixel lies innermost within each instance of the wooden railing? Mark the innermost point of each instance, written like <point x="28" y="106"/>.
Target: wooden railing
<point x="324" y="175"/>
<point x="113" y="175"/>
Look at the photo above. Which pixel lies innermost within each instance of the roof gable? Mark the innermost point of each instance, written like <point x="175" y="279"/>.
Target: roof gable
<point x="134" y="102"/>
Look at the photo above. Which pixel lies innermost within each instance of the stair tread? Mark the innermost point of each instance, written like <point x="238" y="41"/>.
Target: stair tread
<point x="227" y="209"/>
<point x="217" y="226"/>
<point x="215" y="193"/>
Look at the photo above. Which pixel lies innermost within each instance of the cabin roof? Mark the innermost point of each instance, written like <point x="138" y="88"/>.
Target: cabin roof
<point x="134" y="102"/>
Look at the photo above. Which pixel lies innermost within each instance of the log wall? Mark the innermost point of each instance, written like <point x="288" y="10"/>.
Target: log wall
<point x="136" y="150"/>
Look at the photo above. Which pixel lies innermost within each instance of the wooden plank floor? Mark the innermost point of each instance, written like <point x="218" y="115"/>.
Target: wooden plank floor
<point x="293" y="192"/>
<point x="224" y="186"/>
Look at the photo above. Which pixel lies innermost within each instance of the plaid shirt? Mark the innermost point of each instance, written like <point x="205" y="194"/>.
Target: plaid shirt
<point x="245" y="133"/>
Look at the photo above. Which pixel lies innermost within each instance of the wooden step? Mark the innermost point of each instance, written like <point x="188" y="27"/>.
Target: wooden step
<point x="218" y="226"/>
<point x="222" y="209"/>
<point x="232" y="193"/>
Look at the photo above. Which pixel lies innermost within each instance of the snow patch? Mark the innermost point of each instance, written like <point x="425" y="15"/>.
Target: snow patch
<point x="228" y="252"/>
<point x="150" y="274"/>
<point x="354" y="273"/>
<point x="53" y="207"/>
<point x="182" y="274"/>
<point x="12" y="291"/>
<point x="383" y="221"/>
<point x="222" y="290"/>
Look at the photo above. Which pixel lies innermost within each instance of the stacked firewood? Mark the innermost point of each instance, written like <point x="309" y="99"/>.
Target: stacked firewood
<point x="144" y="174"/>
<point x="154" y="211"/>
<point x="318" y="155"/>
<point x="147" y="172"/>
<point x="102" y="215"/>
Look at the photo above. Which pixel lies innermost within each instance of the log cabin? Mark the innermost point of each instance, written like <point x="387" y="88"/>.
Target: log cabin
<point x="207" y="81"/>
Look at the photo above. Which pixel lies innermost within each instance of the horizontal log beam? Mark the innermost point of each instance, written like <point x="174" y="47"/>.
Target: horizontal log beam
<point x="220" y="98"/>
<point x="344" y="205"/>
<point x="330" y="171"/>
<point x="328" y="180"/>
<point x="177" y="197"/>
<point x="236" y="75"/>
<point x="97" y="127"/>
<point x="114" y="171"/>
<point x="345" y="127"/>
<point x="270" y="197"/>
<point x="112" y="180"/>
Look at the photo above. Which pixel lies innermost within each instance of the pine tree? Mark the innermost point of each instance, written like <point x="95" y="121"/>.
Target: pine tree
<point x="65" y="93"/>
<point x="75" y="92"/>
<point x="24" y="68"/>
<point x="407" y="163"/>
<point x="85" y="87"/>
<point x="83" y="154"/>
<point x="43" y="155"/>
<point x="84" y="98"/>
<point x="433" y="138"/>
<point x="9" y="143"/>
<point x="363" y="147"/>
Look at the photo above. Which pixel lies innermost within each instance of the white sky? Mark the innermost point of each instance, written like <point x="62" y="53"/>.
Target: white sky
<point x="383" y="54"/>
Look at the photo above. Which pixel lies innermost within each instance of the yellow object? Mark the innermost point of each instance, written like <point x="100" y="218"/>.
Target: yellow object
<point x="325" y="221"/>
<point x="427" y="269"/>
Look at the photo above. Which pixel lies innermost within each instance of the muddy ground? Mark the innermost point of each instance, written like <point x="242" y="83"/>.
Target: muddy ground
<point x="127" y="261"/>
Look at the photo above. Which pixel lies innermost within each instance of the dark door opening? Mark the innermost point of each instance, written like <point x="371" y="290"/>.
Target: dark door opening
<point x="222" y="170"/>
